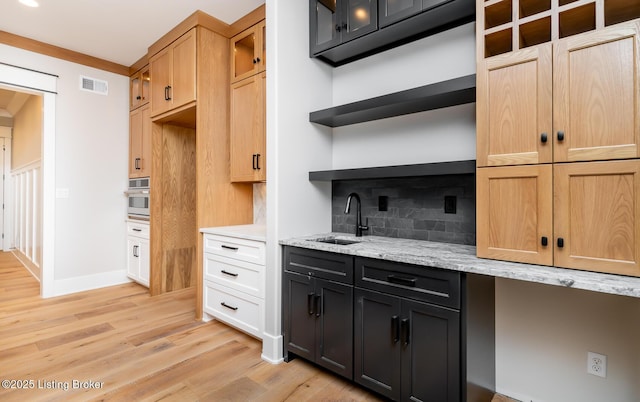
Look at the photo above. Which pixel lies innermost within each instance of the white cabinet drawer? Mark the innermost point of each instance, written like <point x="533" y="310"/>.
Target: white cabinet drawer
<point x="236" y="274"/>
<point x="244" y="312"/>
<point x="138" y="229"/>
<point x="238" y="249"/>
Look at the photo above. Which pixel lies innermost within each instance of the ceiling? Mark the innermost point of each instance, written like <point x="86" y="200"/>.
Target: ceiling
<point x="119" y="31"/>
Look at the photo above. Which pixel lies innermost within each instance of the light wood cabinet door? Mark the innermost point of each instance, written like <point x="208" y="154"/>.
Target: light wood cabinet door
<point x="596" y="92"/>
<point x="173" y="72"/>
<point x="183" y="89"/>
<point x="140" y="143"/>
<point x="514" y="108"/>
<point x="514" y="213"/>
<point x="248" y="52"/>
<point x="139" y="84"/>
<point x="247" y="147"/>
<point x="597" y="216"/>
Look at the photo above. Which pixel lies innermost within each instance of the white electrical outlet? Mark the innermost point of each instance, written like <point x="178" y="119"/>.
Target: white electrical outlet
<point x="597" y="364"/>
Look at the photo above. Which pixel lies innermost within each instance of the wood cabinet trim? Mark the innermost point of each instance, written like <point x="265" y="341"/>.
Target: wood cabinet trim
<point x="46" y="49"/>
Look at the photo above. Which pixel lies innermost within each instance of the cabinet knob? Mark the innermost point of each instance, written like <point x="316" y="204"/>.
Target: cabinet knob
<point x="138" y="97"/>
<point x="560" y="135"/>
<point x="560" y="242"/>
<point x="544" y="241"/>
<point x="338" y="28"/>
<point x="257" y="59"/>
<point x="543" y="138"/>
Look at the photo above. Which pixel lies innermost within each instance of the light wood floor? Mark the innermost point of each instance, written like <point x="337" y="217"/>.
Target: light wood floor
<point x="139" y="348"/>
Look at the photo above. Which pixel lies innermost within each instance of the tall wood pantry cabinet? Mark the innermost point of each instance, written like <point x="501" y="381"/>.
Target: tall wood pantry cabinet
<point x="558" y="135"/>
<point x="247" y="105"/>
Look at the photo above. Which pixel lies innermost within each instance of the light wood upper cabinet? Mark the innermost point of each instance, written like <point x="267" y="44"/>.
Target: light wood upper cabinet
<point x="248" y="148"/>
<point x="514" y="213"/>
<point x="248" y="52"/>
<point x="597" y="216"/>
<point x="174" y="75"/>
<point x="596" y="92"/>
<point x="515" y="108"/>
<point x="139" y="88"/>
<point x="140" y="142"/>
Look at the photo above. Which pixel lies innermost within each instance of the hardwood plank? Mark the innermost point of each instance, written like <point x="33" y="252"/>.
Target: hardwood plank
<point x="142" y="348"/>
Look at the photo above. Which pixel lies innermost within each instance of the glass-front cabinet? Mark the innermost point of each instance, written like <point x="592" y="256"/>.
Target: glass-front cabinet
<point x="248" y="52"/>
<point x="337" y="21"/>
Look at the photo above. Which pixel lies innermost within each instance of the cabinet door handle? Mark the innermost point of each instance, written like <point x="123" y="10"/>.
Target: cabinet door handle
<point x="560" y="135"/>
<point x="253" y="161"/>
<point x="543" y="138"/>
<point x="167" y="93"/>
<point x="229" y="273"/>
<point x="229" y="247"/>
<point x="318" y="304"/>
<point x="560" y="242"/>
<point x="310" y="303"/>
<point x="544" y="241"/>
<point x="257" y="161"/>
<point x="405" y="331"/>
<point x="401" y="281"/>
<point x="395" y="329"/>
<point x="137" y="164"/>
<point x="135" y="249"/>
<point x="223" y="304"/>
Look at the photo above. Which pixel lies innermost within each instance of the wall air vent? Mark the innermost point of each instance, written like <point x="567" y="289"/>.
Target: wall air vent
<point x="94" y="85"/>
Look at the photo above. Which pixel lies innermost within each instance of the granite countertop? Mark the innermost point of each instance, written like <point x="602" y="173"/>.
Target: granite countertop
<point x="463" y="258"/>
<point x="249" y="232"/>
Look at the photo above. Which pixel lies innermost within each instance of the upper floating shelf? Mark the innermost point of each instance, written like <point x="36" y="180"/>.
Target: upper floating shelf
<point x="442" y="94"/>
<point x="389" y="172"/>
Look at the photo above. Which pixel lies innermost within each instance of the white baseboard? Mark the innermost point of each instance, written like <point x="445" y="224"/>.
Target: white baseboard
<point x="272" y="348"/>
<point x="88" y="282"/>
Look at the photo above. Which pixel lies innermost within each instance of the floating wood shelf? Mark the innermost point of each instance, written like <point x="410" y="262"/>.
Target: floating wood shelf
<point x="387" y="172"/>
<point x="453" y="92"/>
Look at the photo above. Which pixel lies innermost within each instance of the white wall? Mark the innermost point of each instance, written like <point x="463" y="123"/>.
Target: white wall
<point x="543" y="334"/>
<point x="296" y="85"/>
<point x="433" y="136"/>
<point x="91" y="162"/>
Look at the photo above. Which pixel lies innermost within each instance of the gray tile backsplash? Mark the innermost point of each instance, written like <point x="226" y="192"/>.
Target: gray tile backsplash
<point x="415" y="208"/>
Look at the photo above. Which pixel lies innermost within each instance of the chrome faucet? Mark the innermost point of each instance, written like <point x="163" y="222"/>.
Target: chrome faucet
<point x="359" y="227"/>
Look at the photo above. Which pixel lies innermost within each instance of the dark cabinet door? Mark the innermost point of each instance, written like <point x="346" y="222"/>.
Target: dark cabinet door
<point x="377" y="342"/>
<point x="430" y="338"/>
<point x="332" y="22"/>
<point x="299" y="315"/>
<point x="360" y="18"/>
<point x="334" y="327"/>
<point x="391" y="11"/>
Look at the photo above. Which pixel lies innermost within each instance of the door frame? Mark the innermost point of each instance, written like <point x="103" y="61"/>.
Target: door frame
<point x="43" y="84"/>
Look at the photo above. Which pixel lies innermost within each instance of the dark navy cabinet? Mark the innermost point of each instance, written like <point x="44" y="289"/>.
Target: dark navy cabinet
<point x="407" y="332"/>
<point x="341" y="31"/>
<point x="318" y="313"/>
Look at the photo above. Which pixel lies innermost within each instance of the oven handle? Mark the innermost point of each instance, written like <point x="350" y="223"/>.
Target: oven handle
<point x="133" y="192"/>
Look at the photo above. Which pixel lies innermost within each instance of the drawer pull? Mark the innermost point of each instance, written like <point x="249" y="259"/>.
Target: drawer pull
<point x="137" y="230"/>
<point x="229" y="273"/>
<point x="229" y="247"/>
<point x="395" y="329"/>
<point x="223" y="304"/>
<point x="401" y="281"/>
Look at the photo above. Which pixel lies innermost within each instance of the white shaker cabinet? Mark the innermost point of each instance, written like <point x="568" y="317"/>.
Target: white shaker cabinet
<point x="234" y="277"/>
<point x="138" y="251"/>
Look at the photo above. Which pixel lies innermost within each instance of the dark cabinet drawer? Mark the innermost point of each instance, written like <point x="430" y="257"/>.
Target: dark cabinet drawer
<point x="319" y="264"/>
<point x="426" y="284"/>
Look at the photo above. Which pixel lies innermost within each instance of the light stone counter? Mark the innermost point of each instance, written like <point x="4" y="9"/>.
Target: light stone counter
<point x="463" y="258"/>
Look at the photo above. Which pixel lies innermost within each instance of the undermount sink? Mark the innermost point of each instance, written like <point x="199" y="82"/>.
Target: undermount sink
<point x="334" y="240"/>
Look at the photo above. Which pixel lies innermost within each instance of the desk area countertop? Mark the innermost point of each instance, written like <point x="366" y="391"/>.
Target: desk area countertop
<point x="463" y="258"/>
